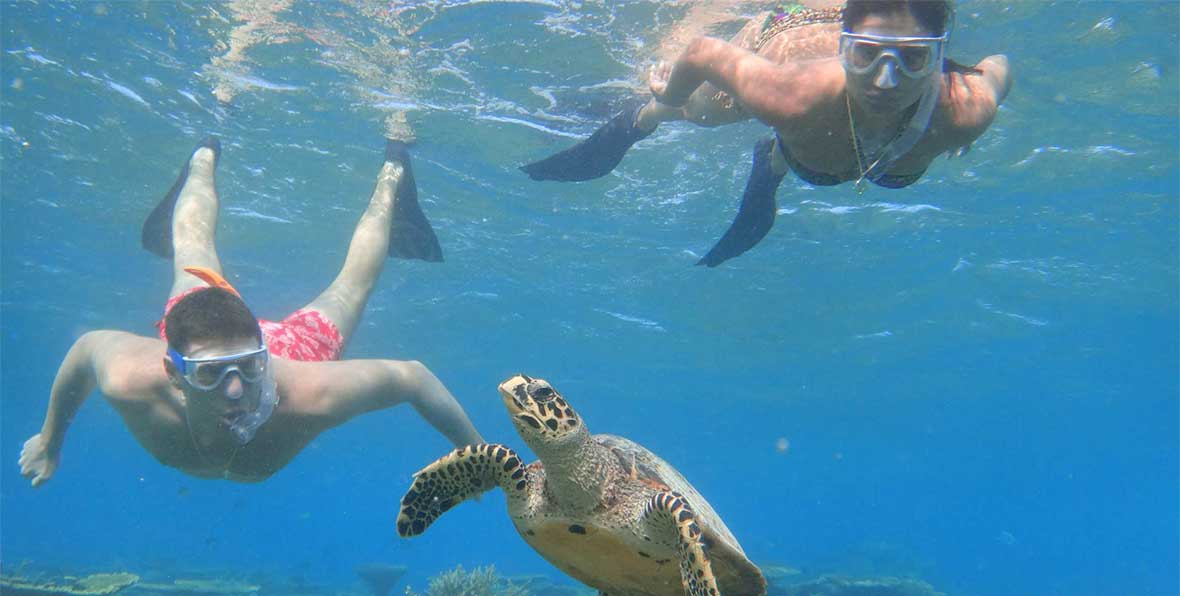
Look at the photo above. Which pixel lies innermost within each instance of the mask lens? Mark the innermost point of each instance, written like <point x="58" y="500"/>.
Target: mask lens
<point x="915" y="59"/>
<point x="915" y="56"/>
<point x="207" y="375"/>
<point x="864" y="53"/>
<point x="252" y="367"/>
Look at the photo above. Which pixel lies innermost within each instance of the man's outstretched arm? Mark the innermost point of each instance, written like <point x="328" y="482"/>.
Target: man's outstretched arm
<point x="354" y="387"/>
<point x="76" y="380"/>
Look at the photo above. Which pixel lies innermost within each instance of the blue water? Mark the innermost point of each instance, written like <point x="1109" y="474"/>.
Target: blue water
<point x="976" y="376"/>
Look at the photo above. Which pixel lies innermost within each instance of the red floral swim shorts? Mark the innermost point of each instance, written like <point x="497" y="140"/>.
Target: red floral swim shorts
<point x="305" y="335"/>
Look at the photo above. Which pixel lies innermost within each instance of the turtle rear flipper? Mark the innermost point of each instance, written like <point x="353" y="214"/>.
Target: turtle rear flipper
<point x="669" y="512"/>
<point x="460" y="475"/>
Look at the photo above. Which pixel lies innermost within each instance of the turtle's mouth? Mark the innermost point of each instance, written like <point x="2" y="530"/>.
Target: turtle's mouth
<point x="514" y="393"/>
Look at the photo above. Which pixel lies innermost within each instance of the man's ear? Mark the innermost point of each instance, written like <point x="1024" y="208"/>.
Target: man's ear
<point x="174" y="375"/>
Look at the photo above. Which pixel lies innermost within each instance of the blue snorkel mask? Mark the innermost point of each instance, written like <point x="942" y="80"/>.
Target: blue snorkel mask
<point x="207" y="374"/>
<point x="252" y="366"/>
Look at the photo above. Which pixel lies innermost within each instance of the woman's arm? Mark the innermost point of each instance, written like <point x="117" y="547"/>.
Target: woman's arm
<point x="774" y="93"/>
<point x="998" y="76"/>
<point x="974" y="98"/>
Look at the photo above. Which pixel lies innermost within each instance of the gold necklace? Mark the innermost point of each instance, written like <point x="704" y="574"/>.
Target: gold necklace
<point x="860" y="182"/>
<point x="197" y="446"/>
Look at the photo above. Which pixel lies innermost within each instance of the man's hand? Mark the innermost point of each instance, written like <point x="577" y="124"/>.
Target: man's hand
<point x="36" y="462"/>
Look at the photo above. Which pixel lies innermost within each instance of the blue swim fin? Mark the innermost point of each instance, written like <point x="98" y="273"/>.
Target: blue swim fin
<point x="594" y="157"/>
<point x="411" y="236"/>
<point x="156" y="235"/>
<point x="755" y="215"/>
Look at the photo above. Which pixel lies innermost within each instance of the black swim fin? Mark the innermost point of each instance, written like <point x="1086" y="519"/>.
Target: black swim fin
<point x="594" y="157"/>
<point x="411" y="236"/>
<point x="156" y="235"/>
<point x="755" y="215"/>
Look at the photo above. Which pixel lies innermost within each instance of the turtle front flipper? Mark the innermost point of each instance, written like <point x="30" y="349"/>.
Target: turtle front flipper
<point x="457" y="476"/>
<point x="669" y="512"/>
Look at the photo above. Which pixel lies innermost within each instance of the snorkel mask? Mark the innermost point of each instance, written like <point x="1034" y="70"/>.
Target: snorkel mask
<point x="915" y="57"/>
<point x="252" y="366"/>
<point x="245" y="425"/>
<point x="207" y="374"/>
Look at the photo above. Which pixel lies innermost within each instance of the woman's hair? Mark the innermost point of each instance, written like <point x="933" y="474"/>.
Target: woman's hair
<point x="935" y="16"/>
<point x="932" y="15"/>
<point x="209" y="314"/>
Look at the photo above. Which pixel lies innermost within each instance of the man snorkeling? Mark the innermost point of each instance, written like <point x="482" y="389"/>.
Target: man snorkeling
<point x="221" y="394"/>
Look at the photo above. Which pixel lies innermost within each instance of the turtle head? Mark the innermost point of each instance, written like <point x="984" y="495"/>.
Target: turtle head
<point x="538" y="411"/>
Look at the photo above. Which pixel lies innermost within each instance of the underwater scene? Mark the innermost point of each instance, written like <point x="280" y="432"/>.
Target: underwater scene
<point x="965" y="385"/>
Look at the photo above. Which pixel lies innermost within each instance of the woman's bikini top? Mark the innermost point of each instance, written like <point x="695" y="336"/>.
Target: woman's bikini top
<point x="884" y="180"/>
<point x="825" y="179"/>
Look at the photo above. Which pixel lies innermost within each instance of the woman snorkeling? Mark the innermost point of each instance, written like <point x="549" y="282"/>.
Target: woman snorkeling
<point x="860" y="94"/>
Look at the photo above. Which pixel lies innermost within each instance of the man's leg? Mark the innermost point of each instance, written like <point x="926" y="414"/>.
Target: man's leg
<point x="344" y="301"/>
<point x="183" y="226"/>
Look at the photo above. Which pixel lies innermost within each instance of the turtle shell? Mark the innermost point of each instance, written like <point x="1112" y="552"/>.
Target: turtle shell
<point x="735" y="574"/>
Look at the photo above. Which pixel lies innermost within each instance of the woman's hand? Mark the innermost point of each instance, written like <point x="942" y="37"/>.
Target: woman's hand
<point x="658" y="78"/>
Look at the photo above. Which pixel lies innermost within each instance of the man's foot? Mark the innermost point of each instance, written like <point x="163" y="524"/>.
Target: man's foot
<point x="596" y="156"/>
<point x="410" y="233"/>
<point x="156" y="235"/>
<point x="756" y="213"/>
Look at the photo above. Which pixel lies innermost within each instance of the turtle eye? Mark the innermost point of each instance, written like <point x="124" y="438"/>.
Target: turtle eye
<point x="542" y="393"/>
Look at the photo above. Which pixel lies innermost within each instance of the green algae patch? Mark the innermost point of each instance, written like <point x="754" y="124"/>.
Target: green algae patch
<point x="199" y="587"/>
<point x="98" y="584"/>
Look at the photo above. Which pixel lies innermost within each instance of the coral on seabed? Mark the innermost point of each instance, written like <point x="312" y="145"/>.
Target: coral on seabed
<point x="481" y="581"/>
<point x="780" y="573"/>
<point x="834" y="585"/>
<point x="198" y="587"/>
<point x="98" y="584"/>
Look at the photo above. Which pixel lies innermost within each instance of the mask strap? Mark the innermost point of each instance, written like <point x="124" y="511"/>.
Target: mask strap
<point x="177" y="360"/>
<point x="913" y="131"/>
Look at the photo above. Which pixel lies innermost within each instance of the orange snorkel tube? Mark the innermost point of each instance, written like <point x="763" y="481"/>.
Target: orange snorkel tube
<point x="213" y="278"/>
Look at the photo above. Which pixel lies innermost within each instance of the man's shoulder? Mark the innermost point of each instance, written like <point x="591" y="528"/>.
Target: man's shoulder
<point x="130" y="367"/>
<point x="318" y="388"/>
<point x="313" y="377"/>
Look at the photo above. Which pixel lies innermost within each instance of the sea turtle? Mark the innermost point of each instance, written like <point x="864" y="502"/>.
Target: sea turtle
<point x="601" y="508"/>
